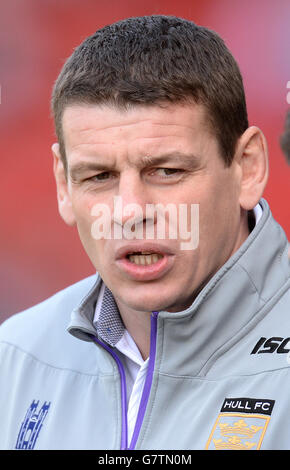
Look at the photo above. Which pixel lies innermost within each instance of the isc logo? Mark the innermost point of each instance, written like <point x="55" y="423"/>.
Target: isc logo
<point x="271" y="345"/>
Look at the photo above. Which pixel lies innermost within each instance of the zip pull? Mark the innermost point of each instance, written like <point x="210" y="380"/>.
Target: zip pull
<point x="148" y="381"/>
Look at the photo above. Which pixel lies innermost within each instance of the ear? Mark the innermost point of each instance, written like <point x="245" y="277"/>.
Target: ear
<point x="63" y="197"/>
<point x="252" y="155"/>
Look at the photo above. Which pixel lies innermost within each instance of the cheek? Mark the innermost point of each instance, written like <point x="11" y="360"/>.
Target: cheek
<point x="219" y="221"/>
<point x="82" y="210"/>
<point x="95" y="249"/>
<point x="84" y="221"/>
<point x="82" y="206"/>
<point x="217" y="204"/>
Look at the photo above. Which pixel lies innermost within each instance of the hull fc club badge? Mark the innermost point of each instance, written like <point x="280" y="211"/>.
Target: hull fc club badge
<point x="241" y="424"/>
<point x="31" y="425"/>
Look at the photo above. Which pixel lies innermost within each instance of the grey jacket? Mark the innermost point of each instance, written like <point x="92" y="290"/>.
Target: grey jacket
<point x="219" y="372"/>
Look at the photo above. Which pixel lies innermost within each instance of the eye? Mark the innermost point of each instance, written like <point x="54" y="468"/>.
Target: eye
<point x="100" y="176"/>
<point x="166" y="172"/>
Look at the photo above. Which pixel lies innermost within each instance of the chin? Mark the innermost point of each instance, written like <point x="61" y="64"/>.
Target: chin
<point x="144" y="306"/>
<point x="149" y="302"/>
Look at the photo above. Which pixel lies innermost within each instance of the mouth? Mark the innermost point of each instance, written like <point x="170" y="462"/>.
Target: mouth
<point x="144" y="265"/>
<point x="144" y="258"/>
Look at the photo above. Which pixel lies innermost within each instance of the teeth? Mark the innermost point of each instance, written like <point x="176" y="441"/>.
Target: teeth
<point x="145" y="259"/>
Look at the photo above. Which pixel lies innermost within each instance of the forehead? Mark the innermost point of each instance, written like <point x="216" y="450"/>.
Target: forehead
<point x="87" y="126"/>
<point x="170" y="118"/>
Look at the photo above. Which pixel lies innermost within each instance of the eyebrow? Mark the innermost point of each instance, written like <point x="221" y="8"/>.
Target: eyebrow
<point x="79" y="168"/>
<point x="189" y="160"/>
<point x="173" y="157"/>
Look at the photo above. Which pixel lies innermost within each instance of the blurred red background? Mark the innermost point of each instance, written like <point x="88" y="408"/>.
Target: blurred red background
<point x="39" y="253"/>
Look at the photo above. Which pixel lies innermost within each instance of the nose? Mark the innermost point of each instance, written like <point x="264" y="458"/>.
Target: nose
<point x="131" y="200"/>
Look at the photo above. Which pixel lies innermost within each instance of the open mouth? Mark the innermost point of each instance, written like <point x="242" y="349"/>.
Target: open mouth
<point x="144" y="258"/>
<point x="144" y="263"/>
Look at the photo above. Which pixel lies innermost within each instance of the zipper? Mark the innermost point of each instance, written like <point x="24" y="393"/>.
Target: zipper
<point x="124" y="432"/>
<point x="148" y="382"/>
<point x="146" y="388"/>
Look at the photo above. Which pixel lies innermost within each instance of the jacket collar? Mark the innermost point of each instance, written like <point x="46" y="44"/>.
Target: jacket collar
<point x="97" y="315"/>
<point x="189" y="341"/>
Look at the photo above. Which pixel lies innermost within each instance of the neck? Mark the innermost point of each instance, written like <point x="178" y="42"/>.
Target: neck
<point x="138" y="325"/>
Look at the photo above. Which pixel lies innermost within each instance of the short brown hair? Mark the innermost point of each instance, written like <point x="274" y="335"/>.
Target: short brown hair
<point x="155" y="59"/>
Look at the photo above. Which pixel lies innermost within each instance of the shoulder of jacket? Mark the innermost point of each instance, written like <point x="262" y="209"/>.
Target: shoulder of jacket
<point x="38" y="327"/>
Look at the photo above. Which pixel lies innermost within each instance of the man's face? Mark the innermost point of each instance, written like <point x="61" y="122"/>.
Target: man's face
<point x="151" y="155"/>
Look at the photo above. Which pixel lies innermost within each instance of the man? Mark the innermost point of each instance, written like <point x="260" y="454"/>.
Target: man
<point x="178" y="342"/>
